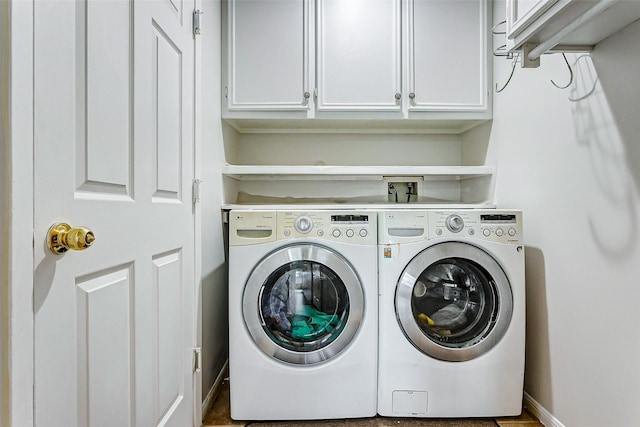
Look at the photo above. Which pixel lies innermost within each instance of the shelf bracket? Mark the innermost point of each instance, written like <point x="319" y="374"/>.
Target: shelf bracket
<point x="527" y="62"/>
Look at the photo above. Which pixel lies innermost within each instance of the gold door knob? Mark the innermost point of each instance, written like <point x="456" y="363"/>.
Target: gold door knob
<point x="62" y="237"/>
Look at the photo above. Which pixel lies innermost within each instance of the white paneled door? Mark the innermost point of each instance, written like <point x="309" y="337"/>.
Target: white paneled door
<point x="113" y="127"/>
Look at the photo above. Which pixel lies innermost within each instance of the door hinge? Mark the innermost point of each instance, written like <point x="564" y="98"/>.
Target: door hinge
<point x="195" y="189"/>
<point x="197" y="364"/>
<point x="196" y="22"/>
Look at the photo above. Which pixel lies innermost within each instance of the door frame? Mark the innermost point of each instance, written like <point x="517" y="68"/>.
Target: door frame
<point x="16" y="43"/>
<point x="17" y="249"/>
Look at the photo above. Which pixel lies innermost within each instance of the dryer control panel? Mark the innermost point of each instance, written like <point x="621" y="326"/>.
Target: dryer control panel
<point x="494" y="225"/>
<point x="358" y="227"/>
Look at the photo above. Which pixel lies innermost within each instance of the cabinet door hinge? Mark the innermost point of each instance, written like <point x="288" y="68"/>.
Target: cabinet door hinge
<point x="197" y="363"/>
<point x="195" y="190"/>
<point x="196" y="22"/>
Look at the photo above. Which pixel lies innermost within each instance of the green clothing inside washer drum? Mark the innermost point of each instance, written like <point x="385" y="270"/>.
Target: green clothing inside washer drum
<point x="310" y="323"/>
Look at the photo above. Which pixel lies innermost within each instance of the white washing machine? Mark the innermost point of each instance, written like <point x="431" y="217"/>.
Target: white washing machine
<point x="303" y="306"/>
<point x="452" y="313"/>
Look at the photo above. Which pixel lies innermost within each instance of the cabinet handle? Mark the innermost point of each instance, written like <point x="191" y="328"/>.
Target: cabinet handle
<point x="412" y="96"/>
<point x="306" y="95"/>
<point x="398" y="96"/>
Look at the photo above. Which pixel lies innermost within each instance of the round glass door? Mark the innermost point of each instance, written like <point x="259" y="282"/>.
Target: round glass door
<point x="451" y="298"/>
<point x="303" y="304"/>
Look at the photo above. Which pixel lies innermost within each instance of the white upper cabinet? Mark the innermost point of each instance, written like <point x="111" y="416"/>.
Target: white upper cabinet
<point x="404" y="65"/>
<point x="523" y="13"/>
<point x="447" y="55"/>
<point x="359" y="55"/>
<point x="544" y="25"/>
<point x="268" y="55"/>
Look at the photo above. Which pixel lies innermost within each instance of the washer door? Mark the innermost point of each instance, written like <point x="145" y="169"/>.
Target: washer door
<point x="303" y="304"/>
<point x="454" y="301"/>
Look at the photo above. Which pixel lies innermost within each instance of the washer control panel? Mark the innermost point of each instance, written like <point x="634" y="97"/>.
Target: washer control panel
<point x="358" y="227"/>
<point x="495" y="225"/>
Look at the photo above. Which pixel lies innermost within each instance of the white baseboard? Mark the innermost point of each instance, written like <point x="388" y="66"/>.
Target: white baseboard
<point x="213" y="392"/>
<point x="545" y="417"/>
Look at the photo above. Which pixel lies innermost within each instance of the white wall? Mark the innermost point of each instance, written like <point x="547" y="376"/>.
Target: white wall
<point x="574" y="169"/>
<point x="214" y="274"/>
<point x="346" y="149"/>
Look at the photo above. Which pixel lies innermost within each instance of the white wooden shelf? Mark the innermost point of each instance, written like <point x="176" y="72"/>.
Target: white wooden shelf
<point x="431" y="122"/>
<point x="254" y="186"/>
<point x="361" y="173"/>
<point x="360" y="206"/>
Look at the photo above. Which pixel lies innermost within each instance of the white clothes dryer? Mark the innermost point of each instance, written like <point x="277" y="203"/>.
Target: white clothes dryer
<point x="303" y="306"/>
<point x="452" y="313"/>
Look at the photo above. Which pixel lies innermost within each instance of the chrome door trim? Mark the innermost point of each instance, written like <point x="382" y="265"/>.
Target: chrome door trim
<point x="404" y="291"/>
<point x="302" y="252"/>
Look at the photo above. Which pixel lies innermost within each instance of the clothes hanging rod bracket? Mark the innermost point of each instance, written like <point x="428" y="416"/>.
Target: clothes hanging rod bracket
<point x="527" y="61"/>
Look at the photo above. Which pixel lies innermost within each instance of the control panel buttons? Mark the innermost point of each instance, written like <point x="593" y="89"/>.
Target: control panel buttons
<point x="336" y="233"/>
<point x="439" y="231"/>
<point x="320" y="232"/>
<point x="499" y="232"/>
<point x="349" y="233"/>
<point x="363" y="233"/>
<point x="454" y="223"/>
<point x="303" y="224"/>
<point x="486" y="232"/>
<point x="472" y="232"/>
<point x="287" y="232"/>
<point x="512" y="232"/>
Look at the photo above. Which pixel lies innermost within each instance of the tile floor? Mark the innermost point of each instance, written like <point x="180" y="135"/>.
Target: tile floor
<point x="219" y="416"/>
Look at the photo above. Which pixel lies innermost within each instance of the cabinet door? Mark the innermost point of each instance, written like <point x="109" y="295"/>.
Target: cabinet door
<point x="268" y="57"/>
<point x="447" y="55"/>
<point x="522" y="13"/>
<point x="358" y="57"/>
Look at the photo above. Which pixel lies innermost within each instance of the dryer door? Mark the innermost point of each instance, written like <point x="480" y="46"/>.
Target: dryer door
<point x="303" y="304"/>
<point x="454" y="301"/>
